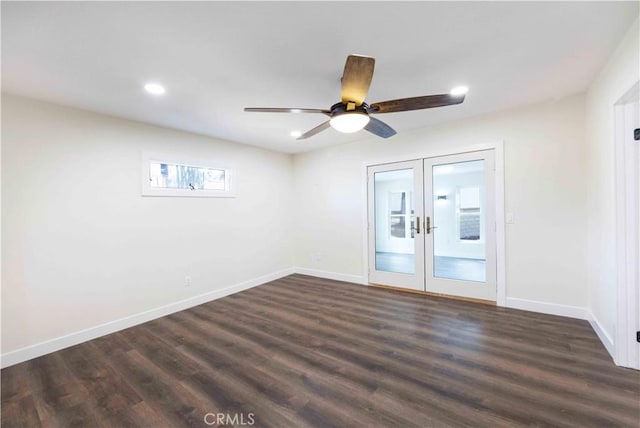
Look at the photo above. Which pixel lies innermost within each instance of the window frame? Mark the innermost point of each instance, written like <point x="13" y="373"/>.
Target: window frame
<point x="408" y="215"/>
<point x="148" y="190"/>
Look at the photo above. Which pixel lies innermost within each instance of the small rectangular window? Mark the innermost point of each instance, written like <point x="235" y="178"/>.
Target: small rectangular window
<point x="163" y="176"/>
<point x="469" y="213"/>
<point x="470" y="227"/>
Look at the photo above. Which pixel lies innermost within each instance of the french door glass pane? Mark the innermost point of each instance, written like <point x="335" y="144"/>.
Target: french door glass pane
<point x="394" y="221"/>
<point x="459" y="204"/>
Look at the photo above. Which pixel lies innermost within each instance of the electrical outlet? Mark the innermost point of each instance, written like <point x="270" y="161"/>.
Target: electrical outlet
<point x="316" y="257"/>
<point x="187" y="281"/>
<point x="510" y="218"/>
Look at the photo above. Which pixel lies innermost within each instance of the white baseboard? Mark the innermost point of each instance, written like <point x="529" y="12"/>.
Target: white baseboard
<point x="547" y="308"/>
<point x="566" y="311"/>
<point x="356" y="279"/>
<point x="602" y="335"/>
<point x="42" y="348"/>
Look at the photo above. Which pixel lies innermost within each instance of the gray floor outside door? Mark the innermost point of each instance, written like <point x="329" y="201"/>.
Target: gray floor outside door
<point x="445" y="267"/>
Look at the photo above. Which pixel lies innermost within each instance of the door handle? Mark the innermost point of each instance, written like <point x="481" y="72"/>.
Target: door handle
<point x="418" y="225"/>
<point x="427" y="226"/>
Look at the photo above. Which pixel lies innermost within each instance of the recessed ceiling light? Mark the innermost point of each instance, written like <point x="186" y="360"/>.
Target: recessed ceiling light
<point x="459" y="90"/>
<point x="295" y="134"/>
<point x="154" y="88"/>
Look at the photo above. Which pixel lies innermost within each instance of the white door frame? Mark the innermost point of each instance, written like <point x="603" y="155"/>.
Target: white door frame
<point x="627" y="158"/>
<point x="498" y="147"/>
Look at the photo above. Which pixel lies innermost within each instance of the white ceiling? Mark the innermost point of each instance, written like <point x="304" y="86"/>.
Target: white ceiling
<point x="216" y="58"/>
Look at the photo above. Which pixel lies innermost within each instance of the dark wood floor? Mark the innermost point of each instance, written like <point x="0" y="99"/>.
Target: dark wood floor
<point x="303" y="351"/>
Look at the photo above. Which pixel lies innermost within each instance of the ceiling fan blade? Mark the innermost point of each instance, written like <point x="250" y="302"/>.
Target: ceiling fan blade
<point x="314" y="131"/>
<point x="356" y="78"/>
<point x="415" y="103"/>
<point x="285" y="110"/>
<point x="379" y="128"/>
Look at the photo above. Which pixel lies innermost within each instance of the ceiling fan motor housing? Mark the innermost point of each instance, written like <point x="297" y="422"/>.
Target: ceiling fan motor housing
<point x="341" y="108"/>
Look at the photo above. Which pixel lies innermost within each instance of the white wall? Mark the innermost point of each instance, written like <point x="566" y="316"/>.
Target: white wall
<point x="544" y="168"/>
<point x="81" y="247"/>
<point x="616" y="78"/>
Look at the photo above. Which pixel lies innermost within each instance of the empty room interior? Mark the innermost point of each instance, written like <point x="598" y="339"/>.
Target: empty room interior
<point x="327" y="214"/>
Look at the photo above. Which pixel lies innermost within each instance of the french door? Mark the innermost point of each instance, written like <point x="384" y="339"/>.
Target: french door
<point x="396" y="239"/>
<point x="432" y="225"/>
<point x="460" y="230"/>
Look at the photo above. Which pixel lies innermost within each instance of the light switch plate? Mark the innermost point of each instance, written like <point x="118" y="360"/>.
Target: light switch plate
<point x="510" y="218"/>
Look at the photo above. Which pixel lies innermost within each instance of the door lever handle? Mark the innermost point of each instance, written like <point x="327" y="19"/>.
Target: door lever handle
<point x="417" y="225"/>
<point x="427" y="226"/>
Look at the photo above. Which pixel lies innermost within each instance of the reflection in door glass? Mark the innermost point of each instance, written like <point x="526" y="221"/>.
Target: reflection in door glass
<point x="394" y="221"/>
<point x="459" y="221"/>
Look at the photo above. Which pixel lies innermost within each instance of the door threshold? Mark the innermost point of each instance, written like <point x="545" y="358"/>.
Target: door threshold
<point x="429" y="293"/>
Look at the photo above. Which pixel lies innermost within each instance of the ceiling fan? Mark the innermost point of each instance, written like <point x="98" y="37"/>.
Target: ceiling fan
<point x="352" y="114"/>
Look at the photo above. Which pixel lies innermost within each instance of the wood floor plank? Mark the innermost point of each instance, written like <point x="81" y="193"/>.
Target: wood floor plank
<point x="160" y="390"/>
<point x="108" y="392"/>
<point x="310" y="352"/>
<point x="20" y="411"/>
<point x="15" y="383"/>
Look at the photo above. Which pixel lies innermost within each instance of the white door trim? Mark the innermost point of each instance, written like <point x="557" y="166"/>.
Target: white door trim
<point x="627" y="159"/>
<point x="498" y="146"/>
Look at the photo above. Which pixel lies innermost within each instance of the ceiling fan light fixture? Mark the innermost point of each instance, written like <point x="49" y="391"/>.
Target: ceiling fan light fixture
<point x="459" y="91"/>
<point x="349" y="122"/>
